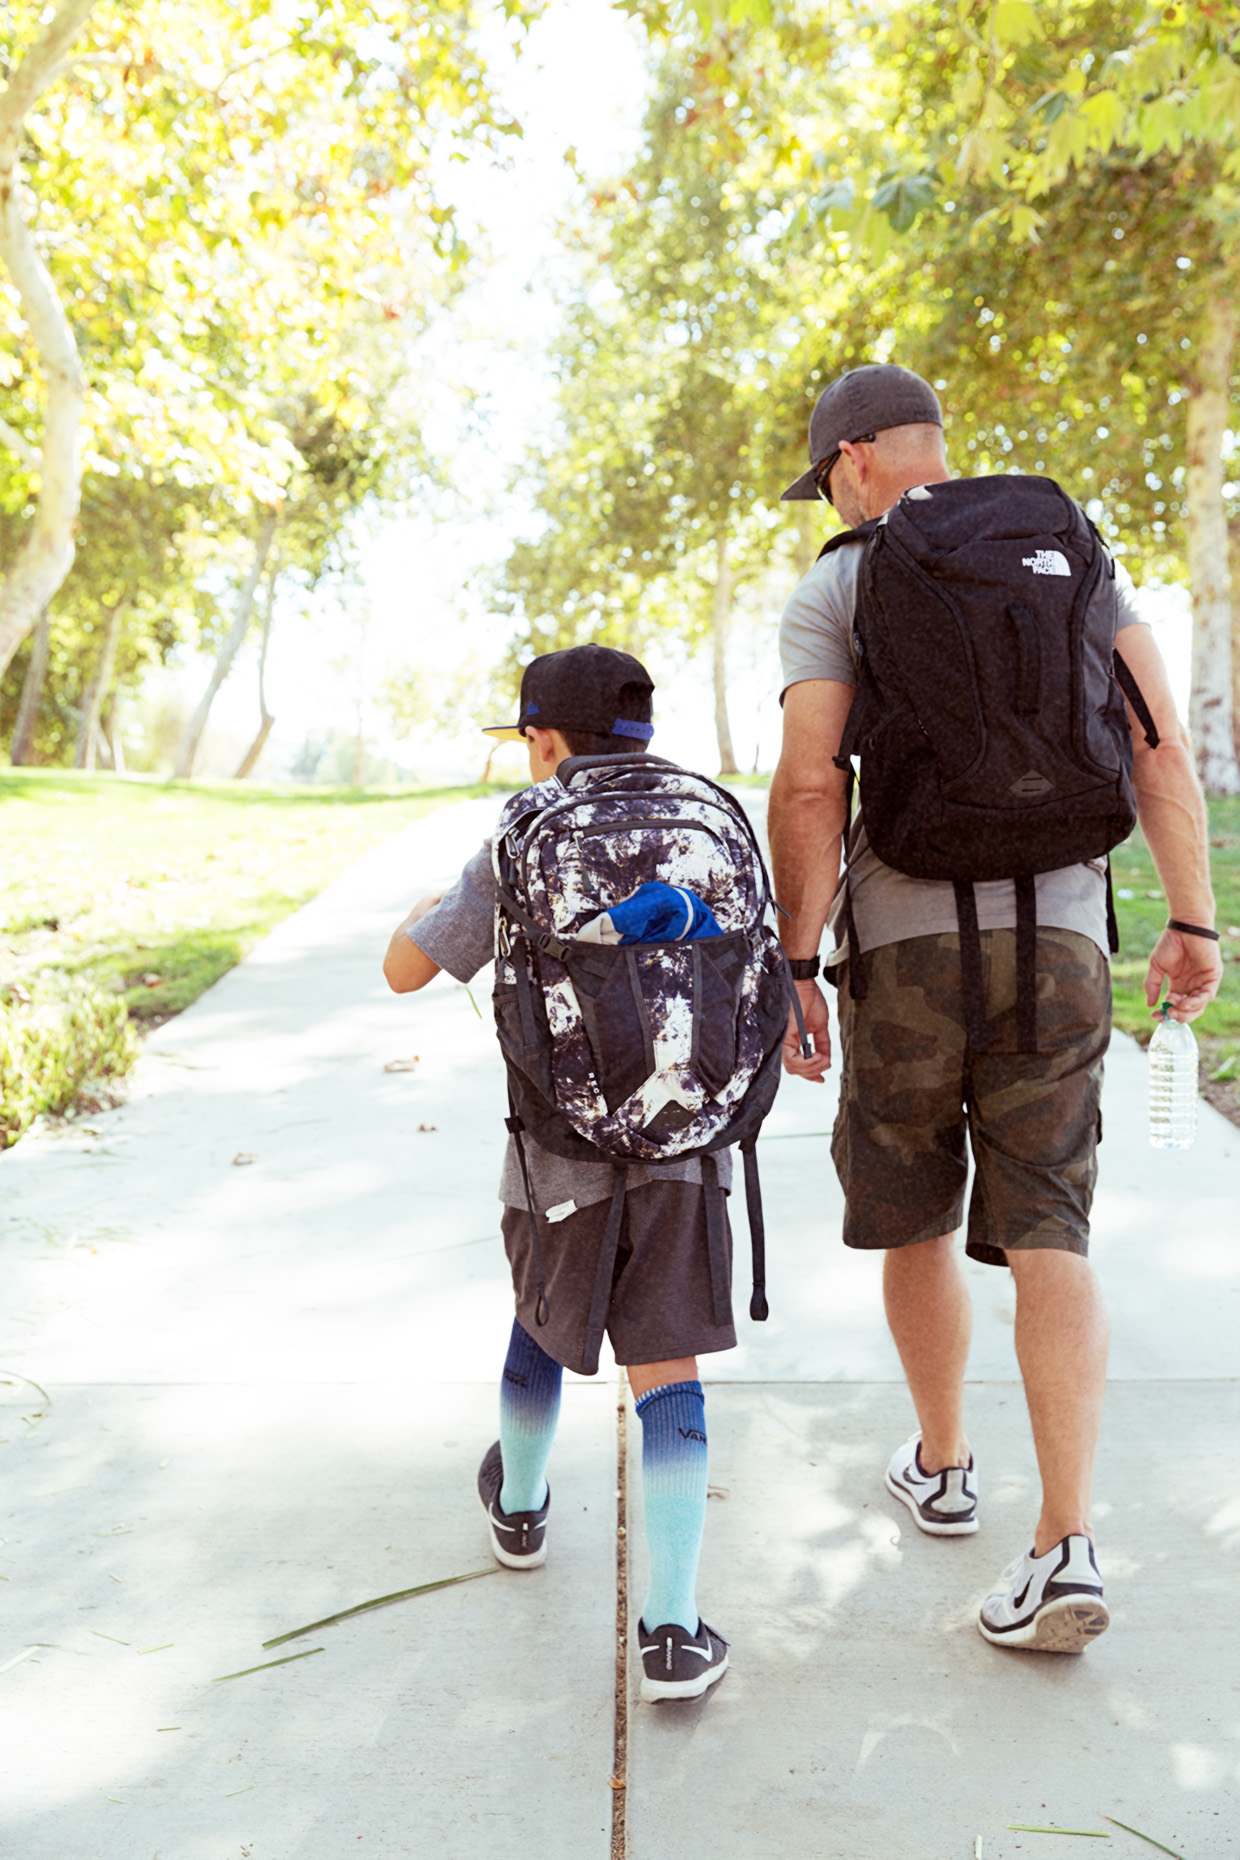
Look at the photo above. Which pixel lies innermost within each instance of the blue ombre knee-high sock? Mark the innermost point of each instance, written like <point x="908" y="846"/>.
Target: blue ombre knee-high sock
<point x="673" y="1420"/>
<point x="529" y="1407"/>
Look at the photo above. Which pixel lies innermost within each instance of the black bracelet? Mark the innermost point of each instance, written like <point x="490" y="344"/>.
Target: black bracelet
<point x="1173" y="923"/>
<point x="803" y="969"/>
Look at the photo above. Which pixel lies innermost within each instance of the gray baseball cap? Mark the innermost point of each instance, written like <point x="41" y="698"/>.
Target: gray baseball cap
<point x="865" y="400"/>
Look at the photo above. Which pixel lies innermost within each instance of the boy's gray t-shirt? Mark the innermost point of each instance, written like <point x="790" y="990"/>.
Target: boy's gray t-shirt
<point x="816" y="641"/>
<point x="459" y="935"/>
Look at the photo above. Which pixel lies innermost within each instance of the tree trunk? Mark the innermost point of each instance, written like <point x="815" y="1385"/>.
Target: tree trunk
<point x="1210" y="704"/>
<point x="1234" y="540"/>
<point x="811" y="534"/>
<point x="46" y="556"/>
<point x="21" y="751"/>
<point x="250" y="759"/>
<point x="720" y="610"/>
<point x="86" y="751"/>
<point x="111" y="727"/>
<point x="228" y="651"/>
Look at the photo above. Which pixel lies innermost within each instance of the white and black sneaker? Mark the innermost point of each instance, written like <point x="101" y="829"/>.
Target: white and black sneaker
<point x="1051" y="1603"/>
<point x="677" y="1664"/>
<point x="518" y="1538"/>
<point x="943" y="1503"/>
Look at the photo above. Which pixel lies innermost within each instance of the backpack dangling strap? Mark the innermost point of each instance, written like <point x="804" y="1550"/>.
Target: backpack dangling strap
<point x="720" y="1288"/>
<point x="759" y="1310"/>
<point x="1132" y="691"/>
<point x="1026" y="965"/>
<point x="807" y="1051"/>
<point x="1112" y="920"/>
<point x="858" y="983"/>
<point x="600" y="1300"/>
<point x="971" y="968"/>
<point x="514" y="1126"/>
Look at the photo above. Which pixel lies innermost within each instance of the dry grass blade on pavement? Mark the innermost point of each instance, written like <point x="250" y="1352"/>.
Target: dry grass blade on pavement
<point x="380" y="1601"/>
<point x="1143" y="1837"/>
<point x="28" y="1380"/>
<point x="266" y="1666"/>
<point x="1088" y="1834"/>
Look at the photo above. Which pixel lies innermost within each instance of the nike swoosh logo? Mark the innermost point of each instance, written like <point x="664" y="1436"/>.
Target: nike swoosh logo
<point x="686" y="1646"/>
<point x="1018" y="1601"/>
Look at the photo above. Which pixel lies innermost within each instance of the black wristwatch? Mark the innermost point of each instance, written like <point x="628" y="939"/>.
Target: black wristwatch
<point x="803" y="969"/>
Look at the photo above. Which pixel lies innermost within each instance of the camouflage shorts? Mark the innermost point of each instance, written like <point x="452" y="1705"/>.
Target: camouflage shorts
<point x="910" y="1092"/>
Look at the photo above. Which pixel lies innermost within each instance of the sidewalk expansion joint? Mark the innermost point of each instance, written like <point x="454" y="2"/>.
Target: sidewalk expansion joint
<point x="620" y="1749"/>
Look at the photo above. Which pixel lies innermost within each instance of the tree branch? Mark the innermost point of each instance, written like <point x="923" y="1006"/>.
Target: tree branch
<point x="41" y="65"/>
<point x="30" y="455"/>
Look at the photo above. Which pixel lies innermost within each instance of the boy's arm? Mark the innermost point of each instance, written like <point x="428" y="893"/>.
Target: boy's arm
<point x="406" y="967"/>
<point x="1172" y="812"/>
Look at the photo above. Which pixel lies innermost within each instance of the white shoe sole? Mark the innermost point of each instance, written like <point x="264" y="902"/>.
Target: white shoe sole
<point x="505" y="1556"/>
<point x="1066" y="1625"/>
<point x="964" y="1529"/>
<point x="653" y="1690"/>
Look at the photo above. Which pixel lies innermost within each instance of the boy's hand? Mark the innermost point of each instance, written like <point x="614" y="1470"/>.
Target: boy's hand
<point x="406" y="967"/>
<point x="818" y="1026"/>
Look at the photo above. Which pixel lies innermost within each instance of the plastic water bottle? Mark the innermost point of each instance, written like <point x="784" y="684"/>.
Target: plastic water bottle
<point x="1173" y="1084"/>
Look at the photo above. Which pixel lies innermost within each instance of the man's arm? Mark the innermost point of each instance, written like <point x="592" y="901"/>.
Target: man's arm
<point x="1172" y="812"/>
<point x="406" y="967"/>
<point x="806" y="828"/>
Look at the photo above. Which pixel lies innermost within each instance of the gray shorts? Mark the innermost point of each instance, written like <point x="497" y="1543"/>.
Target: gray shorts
<point x="661" y="1300"/>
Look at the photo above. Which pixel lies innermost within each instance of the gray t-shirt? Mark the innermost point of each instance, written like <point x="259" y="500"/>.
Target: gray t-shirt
<point x="816" y="641"/>
<point x="459" y="935"/>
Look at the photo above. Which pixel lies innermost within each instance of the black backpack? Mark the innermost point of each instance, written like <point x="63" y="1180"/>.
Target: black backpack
<point x="650" y="1051"/>
<point x="989" y="715"/>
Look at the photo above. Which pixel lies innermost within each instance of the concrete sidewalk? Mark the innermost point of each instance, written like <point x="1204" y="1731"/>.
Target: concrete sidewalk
<point x="272" y="1381"/>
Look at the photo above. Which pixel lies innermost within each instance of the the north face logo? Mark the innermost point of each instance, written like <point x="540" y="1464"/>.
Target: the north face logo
<point x="1030" y="785"/>
<point x="1047" y="562"/>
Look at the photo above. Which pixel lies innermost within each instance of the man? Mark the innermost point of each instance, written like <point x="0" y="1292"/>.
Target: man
<point x="911" y="1087"/>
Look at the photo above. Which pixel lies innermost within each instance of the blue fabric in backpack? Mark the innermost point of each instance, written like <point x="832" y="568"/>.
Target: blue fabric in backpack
<point x="656" y="913"/>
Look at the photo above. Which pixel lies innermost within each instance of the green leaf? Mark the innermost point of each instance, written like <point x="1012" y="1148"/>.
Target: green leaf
<point x="1016" y="22"/>
<point x="903" y="197"/>
<point x="266" y="1665"/>
<point x="380" y="1601"/>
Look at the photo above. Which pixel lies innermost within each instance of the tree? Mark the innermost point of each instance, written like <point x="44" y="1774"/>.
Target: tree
<point x="656" y="490"/>
<point x="47" y="551"/>
<point x="203" y="178"/>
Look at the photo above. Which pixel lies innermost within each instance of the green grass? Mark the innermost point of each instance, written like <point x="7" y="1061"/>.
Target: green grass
<point x="150" y="891"/>
<point x="1143" y="915"/>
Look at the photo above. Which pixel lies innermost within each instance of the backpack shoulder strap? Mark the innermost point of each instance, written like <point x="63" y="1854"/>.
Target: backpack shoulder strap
<point x="862" y="533"/>
<point x="1132" y="691"/>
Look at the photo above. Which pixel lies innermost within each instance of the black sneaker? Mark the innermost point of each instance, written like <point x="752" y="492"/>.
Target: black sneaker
<point x="518" y="1538"/>
<point x="677" y="1664"/>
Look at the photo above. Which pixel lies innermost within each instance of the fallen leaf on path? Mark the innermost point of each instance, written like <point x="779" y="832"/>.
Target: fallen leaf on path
<point x="380" y="1601"/>
<point x="1089" y="1834"/>
<point x="266" y="1665"/>
<point x="717" y="1491"/>
<point x="616" y="1783"/>
<point x="1143" y="1837"/>
<point x="28" y="1380"/>
<point x="242" y="1156"/>
<point x="428" y="1126"/>
<point x="401" y="1065"/>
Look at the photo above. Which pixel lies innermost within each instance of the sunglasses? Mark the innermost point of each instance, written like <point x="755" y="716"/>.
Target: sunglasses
<point x="824" y="468"/>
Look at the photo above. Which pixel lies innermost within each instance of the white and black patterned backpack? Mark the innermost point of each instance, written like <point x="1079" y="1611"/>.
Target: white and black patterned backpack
<point x="638" y="1052"/>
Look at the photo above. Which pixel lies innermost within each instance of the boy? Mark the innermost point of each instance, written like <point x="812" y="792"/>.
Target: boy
<point x="591" y="701"/>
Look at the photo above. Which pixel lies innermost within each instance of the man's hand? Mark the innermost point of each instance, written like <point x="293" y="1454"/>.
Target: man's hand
<point x="817" y="1025"/>
<point x="1193" y="969"/>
